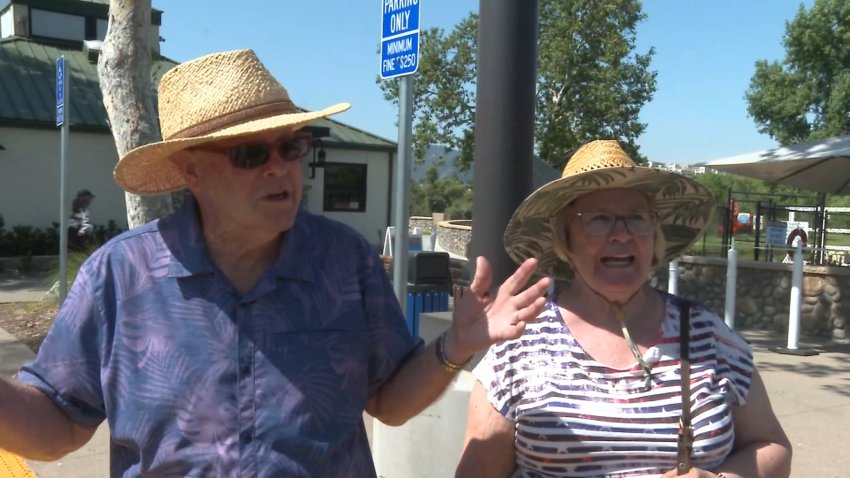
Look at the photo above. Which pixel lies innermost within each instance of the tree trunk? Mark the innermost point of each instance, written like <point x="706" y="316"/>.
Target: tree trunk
<point x="124" y="67"/>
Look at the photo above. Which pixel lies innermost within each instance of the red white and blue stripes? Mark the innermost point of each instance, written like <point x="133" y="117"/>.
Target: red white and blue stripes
<point x="578" y="418"/>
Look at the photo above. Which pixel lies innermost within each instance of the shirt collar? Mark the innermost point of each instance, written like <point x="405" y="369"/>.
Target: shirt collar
<point x="182" y="234"/>
<point x="189" y="255"/>
<point x="295" y="260"/>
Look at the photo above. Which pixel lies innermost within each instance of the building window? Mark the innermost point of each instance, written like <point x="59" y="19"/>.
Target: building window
<point x="57" y="25"/>
<point x="6" y="29"/>
<point x="345" y="187"/>
<point x="100" y="29"/>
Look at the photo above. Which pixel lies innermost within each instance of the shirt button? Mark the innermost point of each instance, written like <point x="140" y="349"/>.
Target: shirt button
<point x="653" y="354"/>
<point x="245" y="437"/>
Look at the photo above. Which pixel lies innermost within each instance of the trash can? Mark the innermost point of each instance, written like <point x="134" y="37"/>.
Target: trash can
<point x="429" y="283"/>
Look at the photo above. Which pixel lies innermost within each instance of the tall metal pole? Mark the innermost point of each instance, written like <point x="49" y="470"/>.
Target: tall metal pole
<point x="820" y="224"/>
<point x="504" y="124"/>
<point x="796" y="300"/>
<point x="402" y="211"/>
<point x="727" y="231"/>
<point x="757" y="230"/>
<point x="673" y="277"/>
<point x="731" y="282"/>
<point x="63" y="184"/>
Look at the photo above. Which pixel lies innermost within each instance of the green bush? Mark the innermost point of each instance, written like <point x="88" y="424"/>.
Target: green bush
<point x="102" y="234"/>
<point x="28" y="241"/>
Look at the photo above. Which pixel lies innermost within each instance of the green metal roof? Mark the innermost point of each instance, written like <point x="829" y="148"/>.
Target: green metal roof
<point x="28" y="93"/>
<point x="28" y="85"/>
<point x="344" y="136"/>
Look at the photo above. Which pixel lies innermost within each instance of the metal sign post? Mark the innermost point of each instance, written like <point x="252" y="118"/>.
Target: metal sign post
<point x="62" y="121"/>
<point x="731" y="282"/>
<point x="400" y="57"/>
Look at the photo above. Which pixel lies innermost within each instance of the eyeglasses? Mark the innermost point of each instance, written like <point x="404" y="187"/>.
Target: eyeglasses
<point x="638" y="223"/>
<point x="253" y="155"/>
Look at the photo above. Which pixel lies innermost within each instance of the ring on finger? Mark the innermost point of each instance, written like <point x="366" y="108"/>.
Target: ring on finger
<point x="516" y="315"/>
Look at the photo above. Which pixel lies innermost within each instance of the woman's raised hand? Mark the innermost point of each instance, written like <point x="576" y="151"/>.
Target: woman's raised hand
<point x="480" y="320"/>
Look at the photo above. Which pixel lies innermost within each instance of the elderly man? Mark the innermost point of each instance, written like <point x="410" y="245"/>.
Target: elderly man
<point x="241" y="336"/>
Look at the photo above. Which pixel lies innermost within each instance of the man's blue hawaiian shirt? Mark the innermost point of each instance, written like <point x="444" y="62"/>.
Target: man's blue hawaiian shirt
<point x="197" y="379"/>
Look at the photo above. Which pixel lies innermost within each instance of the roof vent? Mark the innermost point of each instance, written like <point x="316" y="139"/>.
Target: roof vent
<point x="92" y="49"/>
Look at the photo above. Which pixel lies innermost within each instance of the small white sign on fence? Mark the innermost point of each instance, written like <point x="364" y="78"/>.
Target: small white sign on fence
<point x="791" y="225"/>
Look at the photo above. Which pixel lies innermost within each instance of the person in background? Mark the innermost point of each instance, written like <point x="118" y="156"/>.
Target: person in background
<point x="80" y="228"/>
<point x="242" y="335"/>
<point x="594" y="386"/>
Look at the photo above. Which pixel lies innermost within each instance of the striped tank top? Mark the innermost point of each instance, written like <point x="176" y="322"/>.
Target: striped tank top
<point x="575" y="417"/>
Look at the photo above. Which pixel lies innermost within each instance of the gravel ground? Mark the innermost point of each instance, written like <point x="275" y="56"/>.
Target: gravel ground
<point x="28" y="321"/>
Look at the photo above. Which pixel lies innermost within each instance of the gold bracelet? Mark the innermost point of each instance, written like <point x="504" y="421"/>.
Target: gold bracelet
<point x="448" y="365"/>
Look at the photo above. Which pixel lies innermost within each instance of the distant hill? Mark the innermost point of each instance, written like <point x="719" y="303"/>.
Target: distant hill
<point x="444" y="158"/>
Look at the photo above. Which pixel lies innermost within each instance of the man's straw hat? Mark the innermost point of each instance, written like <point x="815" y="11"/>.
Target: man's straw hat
<point x="215" y="97"/>
<point x="685" y="206"/>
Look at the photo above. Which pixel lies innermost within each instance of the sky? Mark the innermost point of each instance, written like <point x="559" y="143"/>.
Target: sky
<point x="325" y="52"/>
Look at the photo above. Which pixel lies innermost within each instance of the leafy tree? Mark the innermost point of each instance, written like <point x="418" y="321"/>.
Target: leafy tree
<point x="435" y="194"/>
<point x="590" y="82"/>
<point x="444" y="90"/>
<point x="807" y="96"/>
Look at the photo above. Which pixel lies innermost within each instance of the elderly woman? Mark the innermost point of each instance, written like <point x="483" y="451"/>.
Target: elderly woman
<point x="594" y="387"/>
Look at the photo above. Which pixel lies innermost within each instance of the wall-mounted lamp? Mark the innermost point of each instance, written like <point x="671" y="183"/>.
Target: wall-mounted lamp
<point x="319" y="157"/>
<point x="319" y="154"/>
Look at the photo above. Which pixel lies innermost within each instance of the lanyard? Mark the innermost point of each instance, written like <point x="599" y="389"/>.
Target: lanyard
<point x="686" y="431"/>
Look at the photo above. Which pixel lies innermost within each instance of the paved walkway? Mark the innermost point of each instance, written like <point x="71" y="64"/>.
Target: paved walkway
<point x="810" y="394"/>
<point x="27" y="288"/>
<point x="90" y="461"/>
<point x="811" y="397"/>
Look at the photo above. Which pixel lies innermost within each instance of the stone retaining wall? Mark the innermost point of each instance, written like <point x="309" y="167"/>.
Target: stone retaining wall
<point x="763" y="291"/>
<point x="425" y="224"/>
<point x="453" y="236"/>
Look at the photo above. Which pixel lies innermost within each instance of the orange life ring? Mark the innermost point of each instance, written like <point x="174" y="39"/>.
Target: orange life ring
<point x="804" y="241"/>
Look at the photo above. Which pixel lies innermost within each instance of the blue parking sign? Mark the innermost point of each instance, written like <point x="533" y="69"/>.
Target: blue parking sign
<point x="399" y="17"/>
<point x="399" y="37"/>
<point x="60" y="90"/>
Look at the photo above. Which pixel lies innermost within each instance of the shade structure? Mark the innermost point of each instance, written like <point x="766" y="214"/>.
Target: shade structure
<point x="821" y="166"/>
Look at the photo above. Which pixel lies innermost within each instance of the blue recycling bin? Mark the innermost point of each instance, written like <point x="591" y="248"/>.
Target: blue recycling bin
<point x="424" y="298"/>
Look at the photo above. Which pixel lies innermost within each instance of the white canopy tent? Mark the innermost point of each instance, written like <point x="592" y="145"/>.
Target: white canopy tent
<point x="822" y="166"/>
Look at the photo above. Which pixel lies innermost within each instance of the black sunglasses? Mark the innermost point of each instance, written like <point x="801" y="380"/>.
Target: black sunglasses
<point x="253" y="155"/>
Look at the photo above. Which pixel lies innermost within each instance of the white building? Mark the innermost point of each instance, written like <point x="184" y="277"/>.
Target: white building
<point x="353" y="186"/>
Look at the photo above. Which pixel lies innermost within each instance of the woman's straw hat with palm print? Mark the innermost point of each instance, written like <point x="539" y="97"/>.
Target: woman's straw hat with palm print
<point x="685" y="206"/>
<point x="212" y="98"/>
